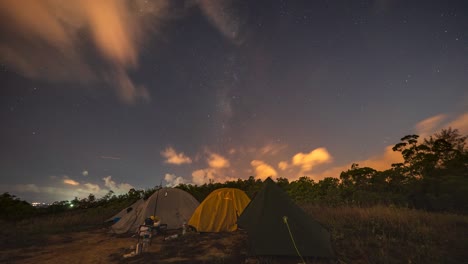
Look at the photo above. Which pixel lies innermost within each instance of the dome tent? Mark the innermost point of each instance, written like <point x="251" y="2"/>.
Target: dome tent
<point x="173" y="206"/>
<point x="125" y="211"/>
<point x="268" y="234"/>
<point x="219" y="211"/>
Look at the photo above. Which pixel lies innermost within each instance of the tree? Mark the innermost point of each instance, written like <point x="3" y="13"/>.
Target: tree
<point x="439" y="167"/>
<point x="302" y="190"/>
<point x="12" y="208"/>
<point x="357" y="177"/>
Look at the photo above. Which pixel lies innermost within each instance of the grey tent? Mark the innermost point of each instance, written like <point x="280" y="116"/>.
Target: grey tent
<point x="125" y="211"/>
<point x="268" y="234"/>
<point x="173" y="206"/>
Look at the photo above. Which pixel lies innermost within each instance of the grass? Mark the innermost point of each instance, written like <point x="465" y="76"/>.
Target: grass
<point x="394" y="235"/>
<point x="33" y="230"/>
<point x="376" y="234"/>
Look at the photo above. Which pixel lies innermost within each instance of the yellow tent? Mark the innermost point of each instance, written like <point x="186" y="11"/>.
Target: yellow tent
<point x="220" y="210"/>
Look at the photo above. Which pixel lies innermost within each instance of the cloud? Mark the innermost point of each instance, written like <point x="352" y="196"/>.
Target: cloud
<point x="71" y="182"/>
<point x="59" y="40"/>
<point x="387" y="157"/>
<point x="221" y="169"/>
<point x="92" y="41"/>
<point x="172" y="157"/>
<point x="203" y="176"/>
<point x="433" y="124"/>
<point x="283" y="165"/>
<point x="381" y="162"/>
<point x="460" y="123"/>
<point x="307" y="161"/>
<point x="117" y="188"/>
<point x="217" y="161"/>
<point x="272" y="149"/>
<point x="263" y="170"/>
<point x="173" y="180"/>
<point x="66" y="189"/>
<point x="428" y="126"/>
<point x="217" y="171"/>
<point x="208" y="175"/>
<point x="90" y="188"/>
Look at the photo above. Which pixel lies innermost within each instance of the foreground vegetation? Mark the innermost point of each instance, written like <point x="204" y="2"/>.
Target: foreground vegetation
<point x="382" y="234"/>
<point x="377" y="234"/>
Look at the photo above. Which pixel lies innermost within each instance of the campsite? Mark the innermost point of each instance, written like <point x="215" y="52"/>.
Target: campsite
<point x="237" y="229"/>
<point x="234" y="131"/>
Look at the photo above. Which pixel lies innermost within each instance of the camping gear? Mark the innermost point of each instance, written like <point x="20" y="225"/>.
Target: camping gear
<point x="276" y="226"/>
<point x="145" y="236"/>
<point x="219" y="211"/>
<point x="171" y="237"/>
<point x="184" y="228"/>
<point x="138" y="249"/>
<point x="173" y="207"/>
<point x="149" y="221"/>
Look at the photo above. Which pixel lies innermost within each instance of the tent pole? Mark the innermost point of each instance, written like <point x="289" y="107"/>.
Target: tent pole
<point x="157" y="197"/>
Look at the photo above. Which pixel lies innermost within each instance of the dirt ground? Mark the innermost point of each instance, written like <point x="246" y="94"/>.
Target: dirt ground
<point x="99" y="246"/>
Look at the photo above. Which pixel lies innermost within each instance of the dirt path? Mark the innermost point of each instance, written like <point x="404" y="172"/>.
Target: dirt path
<point x="101" y="247"/>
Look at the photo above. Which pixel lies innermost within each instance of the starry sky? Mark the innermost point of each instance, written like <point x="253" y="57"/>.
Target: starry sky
<point x="112" y="95"/>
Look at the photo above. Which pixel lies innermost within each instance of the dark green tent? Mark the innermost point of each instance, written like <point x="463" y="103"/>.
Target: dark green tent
<point x="268" y="234"/>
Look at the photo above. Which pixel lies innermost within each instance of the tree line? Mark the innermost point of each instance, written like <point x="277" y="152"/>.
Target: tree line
<point x="433" y="176"/>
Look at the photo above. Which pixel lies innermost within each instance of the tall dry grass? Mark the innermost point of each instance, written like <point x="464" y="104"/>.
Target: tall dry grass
<point x="36" y="229"/>
<point x="382" y="234"/>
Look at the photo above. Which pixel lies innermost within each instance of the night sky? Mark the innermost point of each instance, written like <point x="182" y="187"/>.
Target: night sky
<point x="112" y="95"/>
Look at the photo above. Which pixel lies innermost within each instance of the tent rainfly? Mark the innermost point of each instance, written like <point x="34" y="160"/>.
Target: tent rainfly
<point x="125" y="211"/>
<point x="268" y="233"/>
<point x="219" y="211"/>
<point x="173" y="206"/>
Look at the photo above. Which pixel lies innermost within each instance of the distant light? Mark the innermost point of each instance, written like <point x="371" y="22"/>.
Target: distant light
<point x="71" y="205"/>
<point x="38" y="204"/>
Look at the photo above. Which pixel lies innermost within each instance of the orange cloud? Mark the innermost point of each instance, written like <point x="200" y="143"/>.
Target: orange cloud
<point x="217" y="170"/>
<point x="460" y="123"/>
<point x="48" y="39"/>
<point x="71" y="182"/>
<point x="429" y="125"/>
<point x="384" y="160"/>
<point x="172" y="157"/>
<point x="45" y="39"/>
<point x="203" y="176"/>
<point x="283" y="165"/>
<point x="380" y="162"/>
<point x="217" y="161"/>
<point x="263" y="170"/>
<point x="308" y="160"/>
